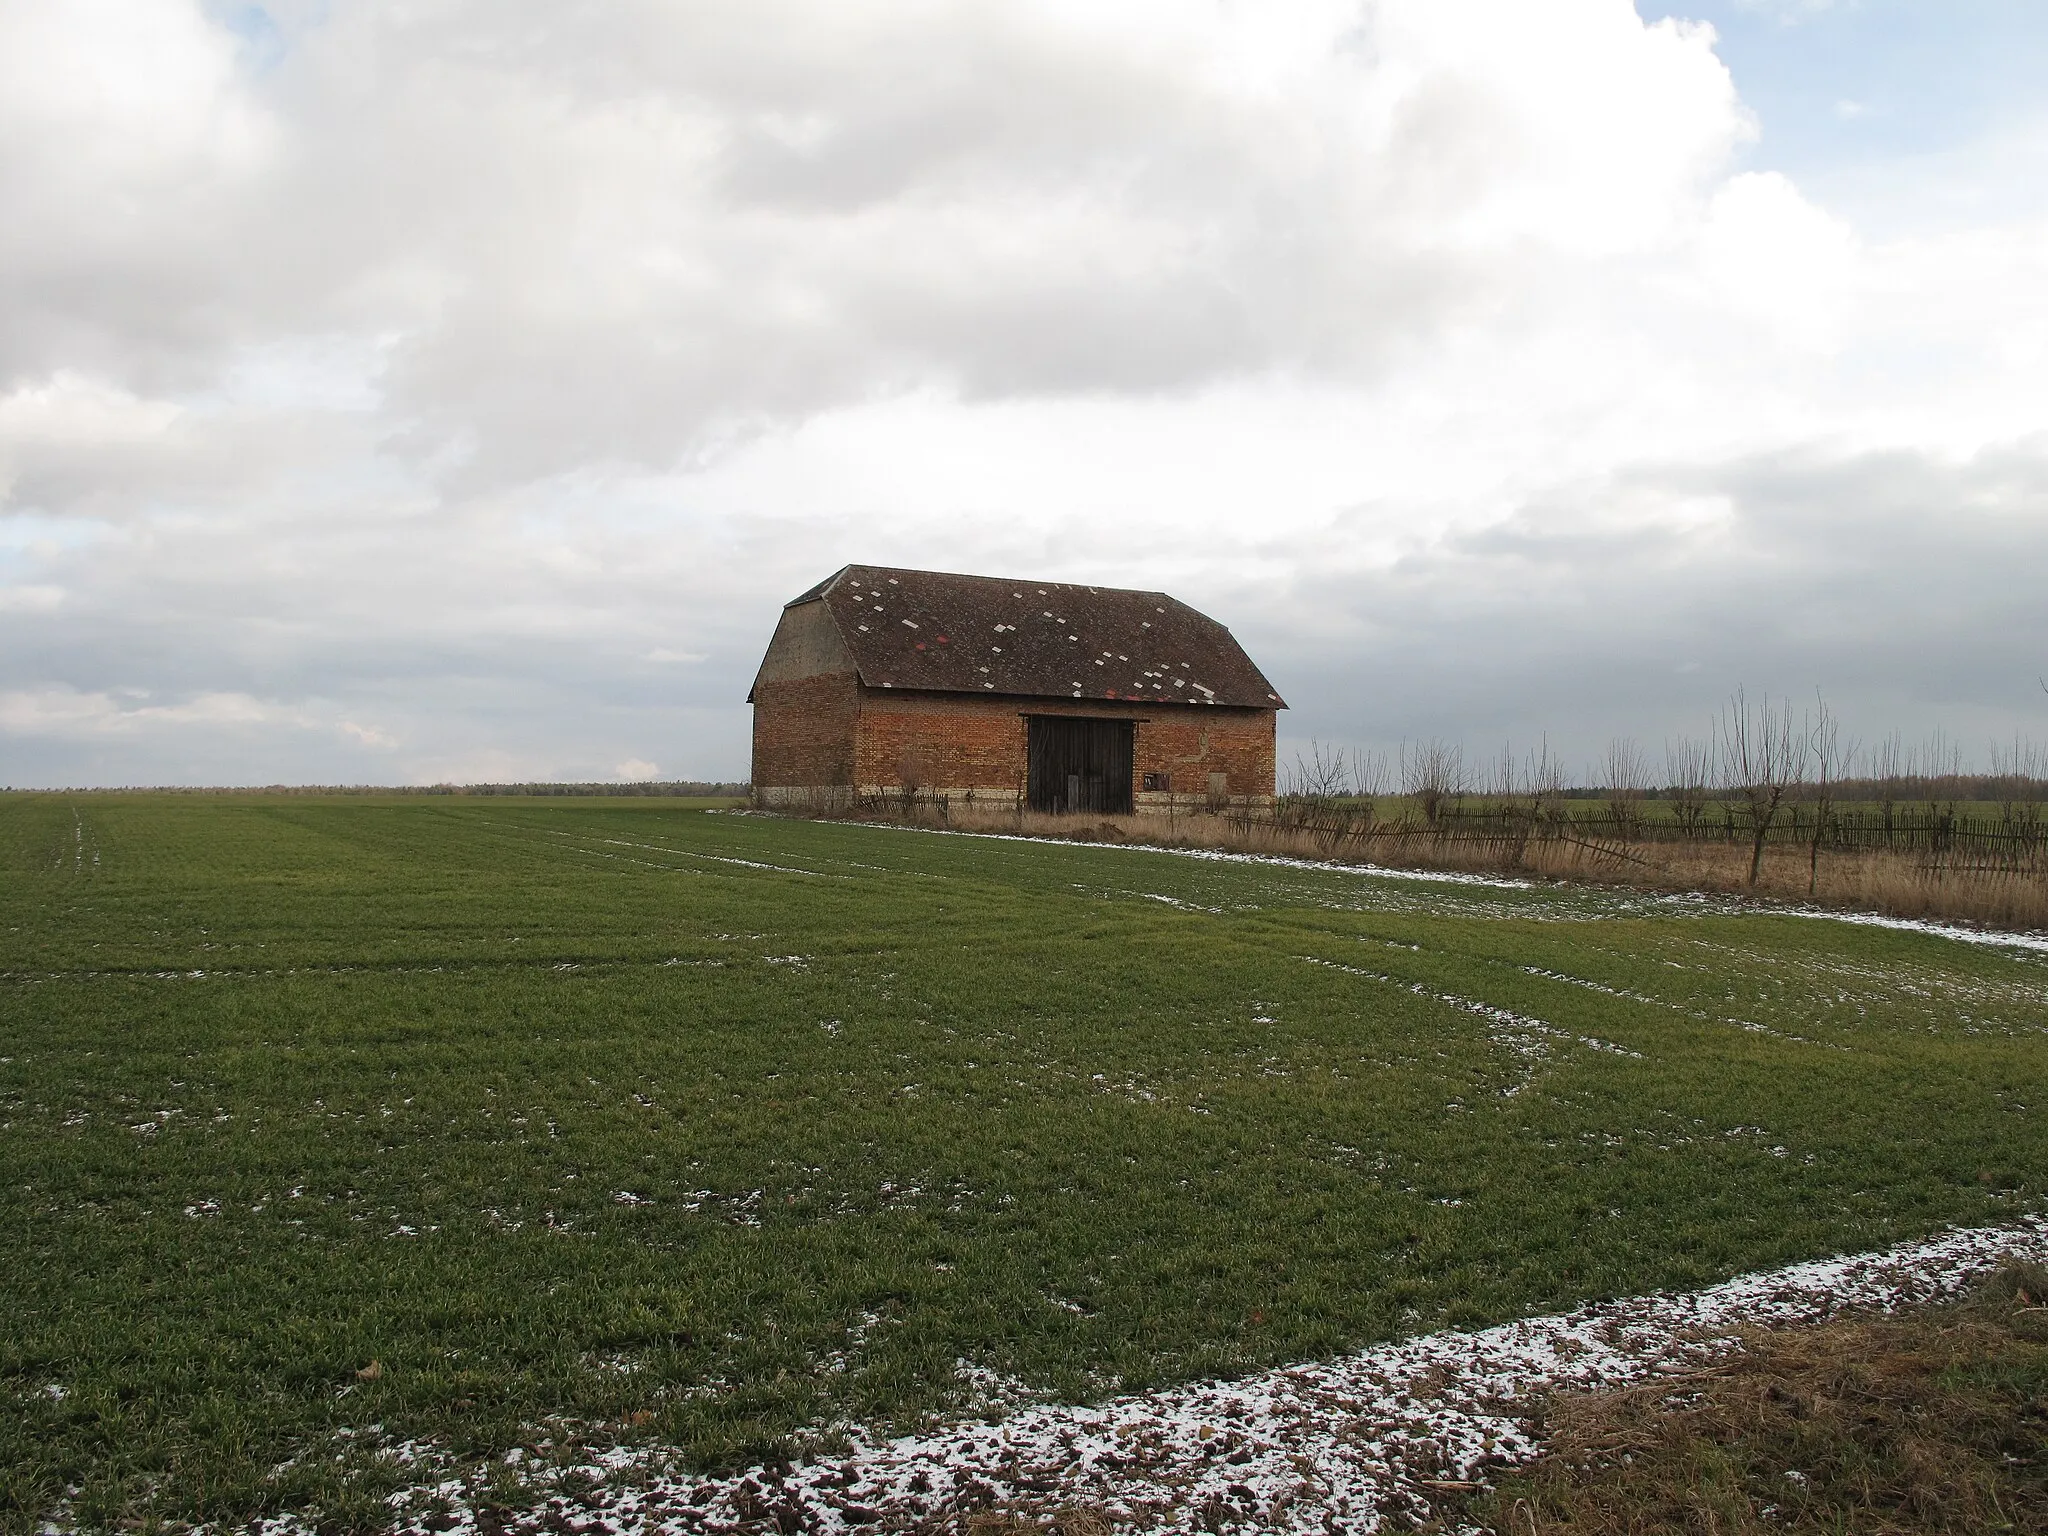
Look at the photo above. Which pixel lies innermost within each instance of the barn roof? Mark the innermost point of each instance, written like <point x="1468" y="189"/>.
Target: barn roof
<point x="1045" y="639"/>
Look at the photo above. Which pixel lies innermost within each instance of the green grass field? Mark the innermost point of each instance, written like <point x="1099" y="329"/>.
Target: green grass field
<point x="619" y="1120"/>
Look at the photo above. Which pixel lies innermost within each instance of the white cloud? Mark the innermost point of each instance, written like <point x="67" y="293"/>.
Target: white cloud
<point x="1770" y="255"/>
<point x="368" y="735"/>
<point x="635" y="770"/>
<point x="71" y="713"/>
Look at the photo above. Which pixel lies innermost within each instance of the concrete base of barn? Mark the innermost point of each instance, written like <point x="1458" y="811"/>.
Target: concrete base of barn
<point x="844" y="800"/>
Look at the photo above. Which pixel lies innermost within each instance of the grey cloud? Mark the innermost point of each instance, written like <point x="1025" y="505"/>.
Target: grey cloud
<point x="1904" y="586"/>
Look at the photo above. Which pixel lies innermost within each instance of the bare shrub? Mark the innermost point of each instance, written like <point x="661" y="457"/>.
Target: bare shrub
<point x="1888" y="771"/>
<point x="1502" y="779"/>
<point x="1315" y="795"/>
<point x="1689" y="774"/>
<point x="1432" y="773"/>
<point x="1627" y="776"/>
<point x="1541" y="783"/>
<point x="2018" y="769"/>
<point x="1831" y="761"/>
<point x="914" y="770"/>
<point x="1763" y="755"/>
<point x="1370" y="774"/>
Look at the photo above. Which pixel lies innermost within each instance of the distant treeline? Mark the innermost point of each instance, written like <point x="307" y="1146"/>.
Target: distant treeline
<point x="680" y="788"/>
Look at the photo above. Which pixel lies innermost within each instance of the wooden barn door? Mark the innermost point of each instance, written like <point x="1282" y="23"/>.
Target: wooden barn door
<point x="1080" y="766"/>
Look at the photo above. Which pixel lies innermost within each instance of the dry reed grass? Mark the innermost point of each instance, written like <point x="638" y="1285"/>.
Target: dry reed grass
<point x="1891" y="884"/>
<point x="1933" y="1421"/>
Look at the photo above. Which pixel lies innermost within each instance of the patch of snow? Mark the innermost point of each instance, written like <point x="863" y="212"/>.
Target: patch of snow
<point x="1175" y="901"/>
<point x="2034" y="941"/>
<point x="1750" y="1025"/>
<point x="1350" y="1444"/>
<point x="1222" y="856"/>
<point x="1527" y="1037"/>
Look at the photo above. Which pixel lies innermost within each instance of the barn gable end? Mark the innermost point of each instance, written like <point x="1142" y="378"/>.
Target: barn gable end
<point x="806" y="643"/>
<point x="806" y="700"/>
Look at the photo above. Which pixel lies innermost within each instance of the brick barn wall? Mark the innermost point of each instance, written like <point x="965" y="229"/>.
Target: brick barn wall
<point x="1189" y="746"/>
<point x="804" y="731"/>
<point x="958" y="742"/>
<point x="939" y="741"/>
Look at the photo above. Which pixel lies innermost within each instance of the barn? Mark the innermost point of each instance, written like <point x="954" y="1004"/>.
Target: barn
<point x="881" y="683"/>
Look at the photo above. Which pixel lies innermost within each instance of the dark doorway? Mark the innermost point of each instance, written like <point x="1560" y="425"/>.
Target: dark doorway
<point x="1080" y="765"/>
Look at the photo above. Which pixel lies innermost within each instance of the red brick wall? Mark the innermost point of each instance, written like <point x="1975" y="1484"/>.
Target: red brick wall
<point x="951" y="741"/>
<point x="1189" y="745"/>
<point x="938" y="741"/>
<point x="830" y="732"/>
<point x="804" y="730"/>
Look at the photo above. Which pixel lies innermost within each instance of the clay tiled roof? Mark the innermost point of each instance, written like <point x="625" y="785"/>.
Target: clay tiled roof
<point x="1043" y="639"/>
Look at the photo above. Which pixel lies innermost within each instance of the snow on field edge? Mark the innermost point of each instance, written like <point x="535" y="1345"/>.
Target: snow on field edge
<point x="2034" y="941"/>
<point x="1729" y="902"/>
<point x="1334" y="1447"/>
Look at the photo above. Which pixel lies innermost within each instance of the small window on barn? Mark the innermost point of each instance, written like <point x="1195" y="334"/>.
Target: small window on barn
<point x="1158" y="783"/>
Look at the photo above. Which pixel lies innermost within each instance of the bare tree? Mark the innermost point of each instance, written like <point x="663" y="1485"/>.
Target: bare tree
<point x="1888" y="762"/>
<point x="1543" y="774"/>
<point x="1320" y="774"/>
<point x="1315" y="794"/>
<point x="1689" y="770"/>
<point x="1831" y="761"/>
<point x="1941" y="767"/>
<point x="1370" y="780"/>
<point x="1542" y="779"/>
<point x="1763" y="755"/>
<point x="1501" y="778"/>
<point x="1627" y="775"/>
<point x="1432" y="773"/>
<point x="2018" y="770"/>
<point x="1370" y="775"/>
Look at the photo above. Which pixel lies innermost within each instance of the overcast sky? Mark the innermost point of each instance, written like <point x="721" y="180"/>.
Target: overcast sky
<point x="456" y="389"/>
